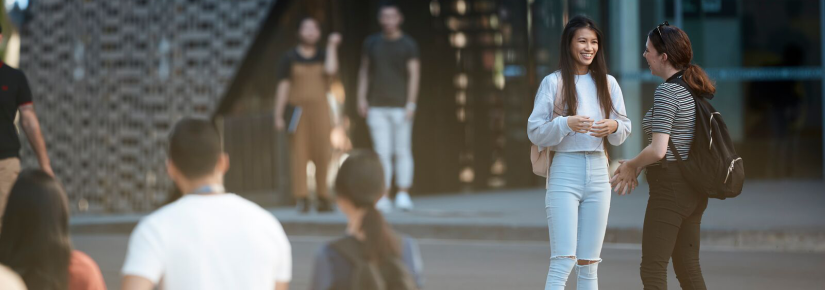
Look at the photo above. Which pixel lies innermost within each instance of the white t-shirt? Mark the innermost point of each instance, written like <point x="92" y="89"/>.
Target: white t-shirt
<point x="210" y="242"/>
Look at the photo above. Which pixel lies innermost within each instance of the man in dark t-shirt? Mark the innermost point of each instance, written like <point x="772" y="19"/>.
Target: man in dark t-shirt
<point x="15" y="95"/>
<point x="387" y="95"/>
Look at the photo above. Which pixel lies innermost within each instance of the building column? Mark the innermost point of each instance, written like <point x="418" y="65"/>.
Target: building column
<point x="625" y="56"/>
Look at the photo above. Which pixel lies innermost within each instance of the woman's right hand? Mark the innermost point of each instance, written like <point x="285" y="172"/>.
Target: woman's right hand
<point x="279" y="124"/>
<point x="334" y="39"/>
<point x="580" y="124"/>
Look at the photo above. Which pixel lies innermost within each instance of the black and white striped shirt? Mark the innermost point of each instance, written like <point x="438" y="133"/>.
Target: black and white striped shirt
<point x="673" y="113"/>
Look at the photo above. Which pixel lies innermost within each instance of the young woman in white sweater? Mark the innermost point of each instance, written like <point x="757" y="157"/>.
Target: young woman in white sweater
<point x="578" y="111"/>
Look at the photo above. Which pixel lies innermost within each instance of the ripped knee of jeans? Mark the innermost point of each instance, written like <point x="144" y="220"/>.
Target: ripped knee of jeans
<point x="563" y="257"/>
<point x="585" y="262"/>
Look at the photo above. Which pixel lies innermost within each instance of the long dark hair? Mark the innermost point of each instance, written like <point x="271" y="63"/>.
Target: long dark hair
<point x="676" y="44"/>
<point x="598" y="69"/>
<point x="35" y="232"/>
<point x="361" y="181"/>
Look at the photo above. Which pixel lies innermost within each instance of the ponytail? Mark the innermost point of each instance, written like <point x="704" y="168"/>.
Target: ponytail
<point x="380" y="243"/>
<point x="698" y="80"/>
<point x="361" y="181"/>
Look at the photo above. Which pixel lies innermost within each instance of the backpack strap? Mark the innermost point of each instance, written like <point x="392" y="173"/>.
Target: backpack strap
<point x="350" y="248"/>
<point x="674" y="151"/>
<point x="679" y="81"/>
<point x="558" y="100"/>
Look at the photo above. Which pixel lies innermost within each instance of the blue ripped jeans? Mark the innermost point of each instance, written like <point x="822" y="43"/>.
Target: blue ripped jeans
<point x="577" y="203"/>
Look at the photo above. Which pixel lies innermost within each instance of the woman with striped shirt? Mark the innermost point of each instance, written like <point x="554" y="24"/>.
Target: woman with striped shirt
<point x="674" y="210"/>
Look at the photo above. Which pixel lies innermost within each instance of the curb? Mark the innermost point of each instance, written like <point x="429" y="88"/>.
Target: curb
<point x="767" y="240"/>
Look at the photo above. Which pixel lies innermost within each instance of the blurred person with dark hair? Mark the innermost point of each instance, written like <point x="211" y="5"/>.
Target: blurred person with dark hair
<point x="15" y="95"/>
<point x="207" y="239"/>
<point x="35" y="240"/>
<point x="304" y="75"/>
<point x="387" y="95"/>
<point x="370" y="251"/>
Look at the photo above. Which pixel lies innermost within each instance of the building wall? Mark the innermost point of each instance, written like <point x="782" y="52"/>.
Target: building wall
<point x="110" y="78"/>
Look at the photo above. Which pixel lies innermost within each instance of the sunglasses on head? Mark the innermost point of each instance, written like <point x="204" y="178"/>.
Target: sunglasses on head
<point x="658" y="28"/>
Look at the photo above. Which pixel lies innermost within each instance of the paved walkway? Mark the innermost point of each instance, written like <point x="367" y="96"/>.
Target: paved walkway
<point x="788" y="216"/>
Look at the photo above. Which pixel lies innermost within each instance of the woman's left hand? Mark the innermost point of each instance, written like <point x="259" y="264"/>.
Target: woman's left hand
<point x="638" y="169"/>
<point x="603" y="128"/>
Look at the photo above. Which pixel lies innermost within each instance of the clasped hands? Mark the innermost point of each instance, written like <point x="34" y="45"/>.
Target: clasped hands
<point x="625" y="180"/>
<point x="598" y="129"/>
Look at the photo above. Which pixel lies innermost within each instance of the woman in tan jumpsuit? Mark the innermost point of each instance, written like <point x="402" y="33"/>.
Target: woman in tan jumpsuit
<point x="303" y="82"/>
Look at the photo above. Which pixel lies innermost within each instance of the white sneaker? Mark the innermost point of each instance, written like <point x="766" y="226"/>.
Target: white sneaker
<point x="403" y="201"/>
<point x="384" y="205"/>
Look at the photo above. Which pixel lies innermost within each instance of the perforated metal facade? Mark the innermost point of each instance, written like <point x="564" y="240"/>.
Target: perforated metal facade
<point x="110" y="77"/>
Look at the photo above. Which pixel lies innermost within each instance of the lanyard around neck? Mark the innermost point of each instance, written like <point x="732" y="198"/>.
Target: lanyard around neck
<point x="209" y="189"/>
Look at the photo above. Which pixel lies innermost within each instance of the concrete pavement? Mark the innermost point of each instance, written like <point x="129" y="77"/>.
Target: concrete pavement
<point x="783" y="216"/>
<point x="459" y="265"/>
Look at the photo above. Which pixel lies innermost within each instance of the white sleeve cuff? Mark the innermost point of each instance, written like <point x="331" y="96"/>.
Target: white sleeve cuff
<point x="564" y="126"/>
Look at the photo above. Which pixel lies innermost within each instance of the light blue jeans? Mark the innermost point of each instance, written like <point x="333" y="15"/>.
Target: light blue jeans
<point x="577" y="203"/>
<point x="392" y="137"/>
